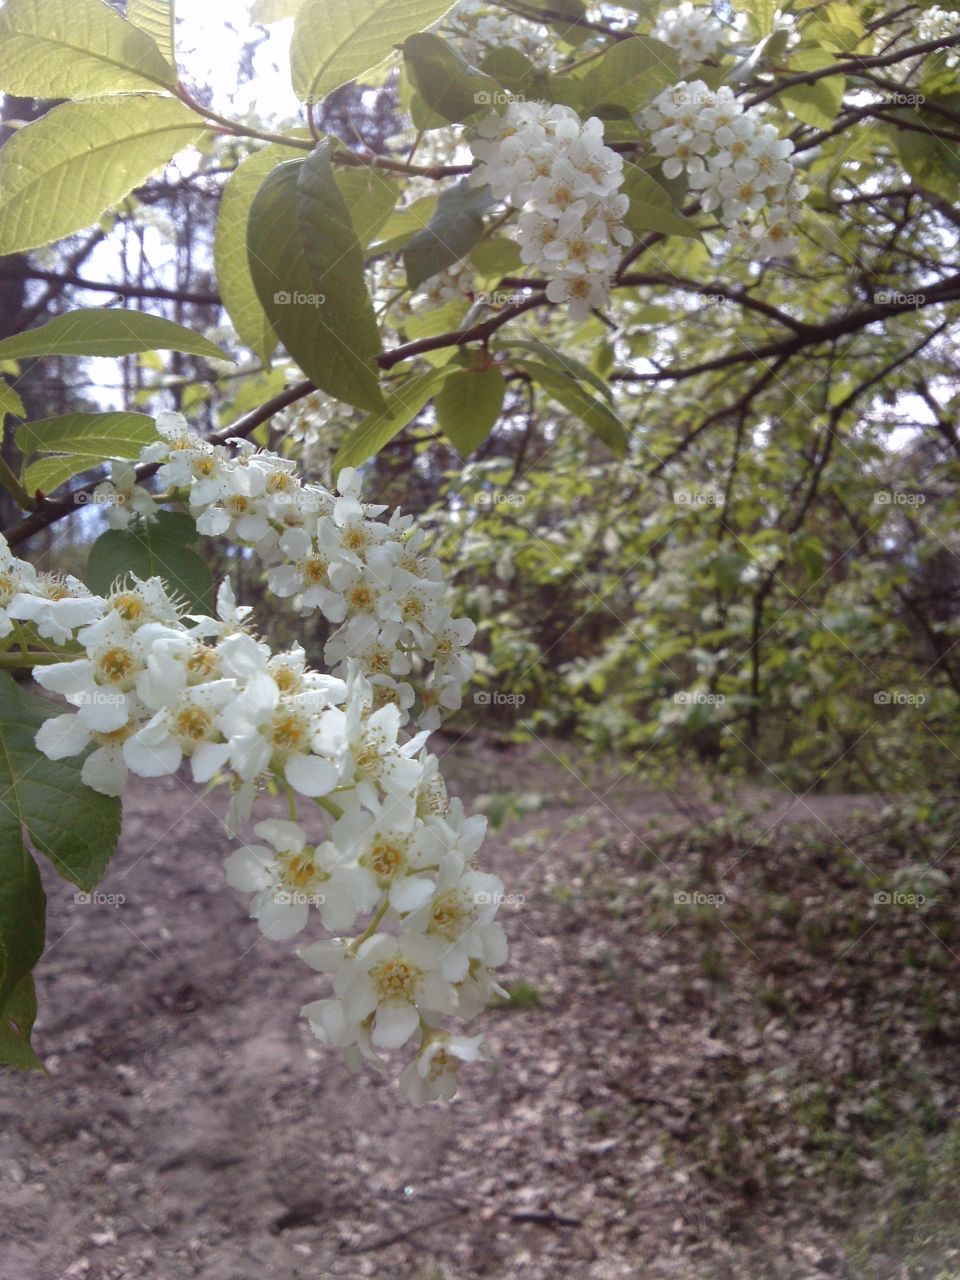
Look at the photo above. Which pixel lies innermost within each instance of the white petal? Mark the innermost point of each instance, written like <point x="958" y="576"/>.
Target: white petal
<point x="105" y="771"/>
<point x="249" y="868"/>
<point x="410" y="892"/>
<point x="281" y="920"/>
<point x="310" y="775"/>
<point x="62" y="736"/>
<point x="152" y="761"/>
<point x="394" y="1025"/>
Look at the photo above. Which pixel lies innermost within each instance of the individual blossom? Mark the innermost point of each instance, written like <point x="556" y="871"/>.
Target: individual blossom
<point x="432" y="1075"/>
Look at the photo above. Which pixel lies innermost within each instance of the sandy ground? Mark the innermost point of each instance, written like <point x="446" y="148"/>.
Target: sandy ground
<point x="677" y="1092"/>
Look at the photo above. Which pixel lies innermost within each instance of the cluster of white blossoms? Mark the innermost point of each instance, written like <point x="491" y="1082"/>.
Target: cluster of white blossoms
<point x="737" y="165"/>
<point x="478" y="29"/>
<point x="694" y="34"/>
<point x="554" y="167"/>
<point x="939" y="24"/>
<point x="387" y="858"/>
<point x="455" y="284"/>
<point x="328" y="552"/>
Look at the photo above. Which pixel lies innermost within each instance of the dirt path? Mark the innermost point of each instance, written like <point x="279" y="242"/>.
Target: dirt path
<point x="651" y="1110"/>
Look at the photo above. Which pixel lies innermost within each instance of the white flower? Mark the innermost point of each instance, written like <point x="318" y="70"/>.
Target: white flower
<point x="268" y="730"/>
<point x="188" y="726"/>
<point x="459" y="918"/>
<point x="393" y="980"/>
<point x="433" y="1073"/>
<point x="288" y="878"/>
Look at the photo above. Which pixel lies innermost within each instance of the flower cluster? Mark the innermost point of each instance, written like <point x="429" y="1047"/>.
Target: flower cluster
<point x="479" y="29"/>
<point x="330" y="553"/>
<point x="388" y="856"/>
<point x="547" y="162"/>
<point x="940" y="24"/>
<point x="694" y="34"/>
<point x="738" y="165"/>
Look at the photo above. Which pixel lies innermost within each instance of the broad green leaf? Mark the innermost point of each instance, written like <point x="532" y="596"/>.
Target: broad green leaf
<point x="448" y="84"/>
<point x="60" y="173"/>
<point x="230" y="251"/>
<point x="103" y="331"/>
<point x="10" y="402"/>
<point x="556" y="359"/>
<point x="76" y="49"/>
<point x="468" y="406"/>
<point x="160" y="547"/>
<point x="156" y="18"/>
<point x="761" y="15"/>
<point x="576" y="399"/>
<point x="307" y="269"/>
<point x="496" y="256"/>
<point x="48" y="474"/>
<point x="100" y="435"/>
<point x="930" y="161"/>
<point x="651" y="208"/>
<point x="815" y="104"/>
<point x="73" y="826"/>
<point x="267" y="11"/>
<point x="370" y="196"/>
<point x="16" y="1023"/>
<point x="22" y="900"/>
<point x="374" y="432"/>
<point x="629" y="74"/>
<point x="335" y="41"/>
<point x="404" y="223"/>
<point x="456" y="226"/>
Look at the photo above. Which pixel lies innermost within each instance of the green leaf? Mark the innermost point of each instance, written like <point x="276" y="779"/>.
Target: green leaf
<point x="76" y="49"/>
<point x="87" y="439"/>
<point x="103" y="331"/>
<point x="161" y="547"/>
<point x="48" y="474"/>
<point x="456" y="226"/>
<point x="307" y="268"/>
<point x="16" y="1023"/>
<point x="651" y="208"/>
<point x="73" y="826"/>
<point x="370" y="197"/>
<point x="335" y="41"/>
<point x="156" y="18"/>
<point x="22" y="900"/>
<point x="60" y="173"/>
<point x="267" y="11"/>
<point x="815" y="104"/>
<point x="403" y="224"/>
<point x="630" y="74"/>
<point x="468" y="406"/>
<point x="445" y="80"/>
<point x="379" y="429"/>
<point x="566" y="391"/>
<point x="10" y="402"/>
<point x="230" y="251"/>
<point x="556" y="359"/>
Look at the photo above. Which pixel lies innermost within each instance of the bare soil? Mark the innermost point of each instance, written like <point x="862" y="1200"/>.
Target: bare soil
<point x="763" y="1087"/>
